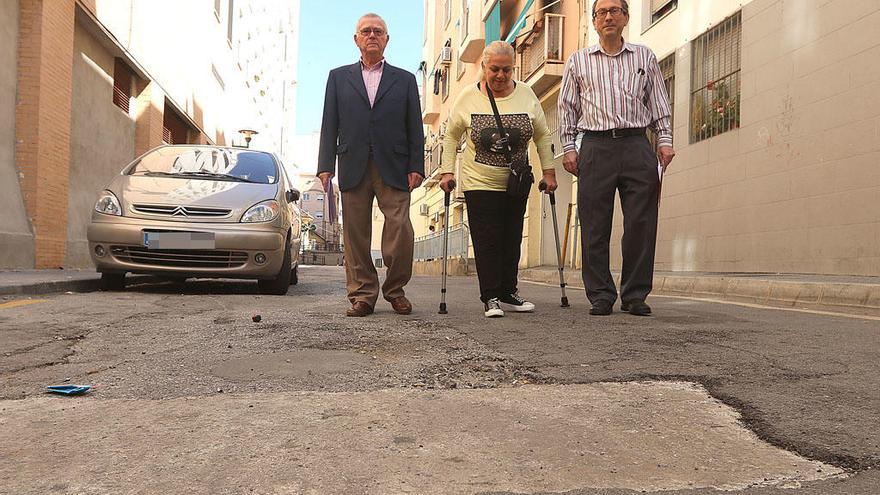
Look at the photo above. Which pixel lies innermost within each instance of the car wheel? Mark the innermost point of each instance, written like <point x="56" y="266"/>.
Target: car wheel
<point x="278" y="286"/>
<point x="113" y="281"/>
<point x="294" y="275"/>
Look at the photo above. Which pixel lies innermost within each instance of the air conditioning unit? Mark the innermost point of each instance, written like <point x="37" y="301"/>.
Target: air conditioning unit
<point x="446" y="55"/>
<point x="423" y="209"/>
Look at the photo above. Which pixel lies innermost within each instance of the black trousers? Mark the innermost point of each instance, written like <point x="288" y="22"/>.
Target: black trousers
<point x="496" y="223"/>
<point x="627" y="165"/>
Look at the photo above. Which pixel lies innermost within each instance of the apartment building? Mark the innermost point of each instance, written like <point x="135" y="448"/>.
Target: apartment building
<point x="94" y="83"/>
<point x="776" y="120"/>
<point x="322" y="211"/>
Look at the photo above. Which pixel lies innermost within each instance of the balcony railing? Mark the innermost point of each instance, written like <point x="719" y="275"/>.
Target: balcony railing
<point x="544" y="46"/>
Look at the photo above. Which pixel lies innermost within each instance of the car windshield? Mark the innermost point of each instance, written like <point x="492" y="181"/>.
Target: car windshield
<point x="208" y="163"/>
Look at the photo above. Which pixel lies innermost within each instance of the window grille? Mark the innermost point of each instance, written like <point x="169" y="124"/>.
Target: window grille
<point x="715" y="80"/>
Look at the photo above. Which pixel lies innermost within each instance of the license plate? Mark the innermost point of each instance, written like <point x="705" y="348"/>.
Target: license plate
<point x="179" y="240"/>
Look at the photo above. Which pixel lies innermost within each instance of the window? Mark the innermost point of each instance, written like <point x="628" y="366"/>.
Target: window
<point x="463" y="22"/>
<point x="319" y="197"/>
<point x="229" y="18"/>
<point x="444" y="83"/>
<point x="667" y="70"/>
<point x="305" y="196"/>
<point x="659" y="9"/>
<point x="715" y="81"/>
<point x="447" y="12"/>
<point x="217" y="9"/>
<point x="459" y="68"/>
<point x="174" y="128"/>
<point x="319" y="214"/>
<point x="217" y="77"/>
<point x="123" y="79"/>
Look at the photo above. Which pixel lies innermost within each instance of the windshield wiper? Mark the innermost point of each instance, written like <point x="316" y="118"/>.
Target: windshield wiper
<point x="152" y="173"/>
<point x="202" y="173"/>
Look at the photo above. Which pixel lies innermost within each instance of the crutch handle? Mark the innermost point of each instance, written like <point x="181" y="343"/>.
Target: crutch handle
<point x="446" y="197"/>
<point x="542" y="186"/>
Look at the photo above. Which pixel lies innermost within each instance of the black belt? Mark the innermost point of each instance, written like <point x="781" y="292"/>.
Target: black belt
<point x="616" y="133"/>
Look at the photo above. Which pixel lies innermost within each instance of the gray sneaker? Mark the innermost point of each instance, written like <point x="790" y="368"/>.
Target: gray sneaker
<point x="493" y="308"/>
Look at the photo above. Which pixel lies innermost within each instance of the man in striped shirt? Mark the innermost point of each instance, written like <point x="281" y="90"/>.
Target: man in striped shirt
<point x="611" y="92"/>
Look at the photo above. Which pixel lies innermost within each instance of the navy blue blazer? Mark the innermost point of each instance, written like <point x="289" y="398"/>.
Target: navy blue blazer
<point x="393" y="126"/>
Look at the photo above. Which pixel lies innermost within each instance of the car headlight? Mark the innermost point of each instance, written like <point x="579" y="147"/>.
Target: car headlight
<point x="108" y="204"/>
<point x="261" y="212"/>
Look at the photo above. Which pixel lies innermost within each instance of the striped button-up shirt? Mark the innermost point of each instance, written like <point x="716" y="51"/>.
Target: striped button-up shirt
<point x="602" y="92"/>
<point x="372" y="76"/>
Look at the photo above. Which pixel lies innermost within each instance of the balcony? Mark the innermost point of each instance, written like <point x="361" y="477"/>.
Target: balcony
<point x="541" y="54"/>
<point x="472" y="35"/>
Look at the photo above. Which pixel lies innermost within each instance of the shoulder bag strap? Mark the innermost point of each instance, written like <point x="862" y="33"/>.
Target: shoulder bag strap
<point x="504" y="140"/>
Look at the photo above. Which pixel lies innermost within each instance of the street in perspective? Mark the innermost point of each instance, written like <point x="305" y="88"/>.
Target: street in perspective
<point x="583" y="247"/>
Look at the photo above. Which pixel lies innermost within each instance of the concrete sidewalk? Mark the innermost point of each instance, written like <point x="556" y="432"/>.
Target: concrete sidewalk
<point x="816" y="292"/>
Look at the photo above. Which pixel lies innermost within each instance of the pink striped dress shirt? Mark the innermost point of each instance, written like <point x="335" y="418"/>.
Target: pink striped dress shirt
<point x="372" y="76"/>
<point x="602" y="92"/>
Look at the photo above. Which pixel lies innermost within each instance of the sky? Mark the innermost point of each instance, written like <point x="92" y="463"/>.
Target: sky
<point x="326" y="30"/>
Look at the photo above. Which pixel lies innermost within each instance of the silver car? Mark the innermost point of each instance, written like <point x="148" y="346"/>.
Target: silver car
<point x="199" y="211"/>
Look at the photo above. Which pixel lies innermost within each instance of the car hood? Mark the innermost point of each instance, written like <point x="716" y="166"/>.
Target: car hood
<point x="134" y="191"/>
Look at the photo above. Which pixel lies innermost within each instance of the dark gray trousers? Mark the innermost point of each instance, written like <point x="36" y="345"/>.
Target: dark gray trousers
<point x="628" y="165"/>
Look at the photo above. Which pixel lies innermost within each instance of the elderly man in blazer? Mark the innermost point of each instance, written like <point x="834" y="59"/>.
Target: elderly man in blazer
<point x="372" y="127"/>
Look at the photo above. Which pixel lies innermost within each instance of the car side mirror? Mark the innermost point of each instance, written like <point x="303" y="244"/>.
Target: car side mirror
<point x="292" y="196"/>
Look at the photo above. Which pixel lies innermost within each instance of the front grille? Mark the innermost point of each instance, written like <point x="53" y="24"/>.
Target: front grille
<point x="181" y="211"/>
<point x="183" y="258"/>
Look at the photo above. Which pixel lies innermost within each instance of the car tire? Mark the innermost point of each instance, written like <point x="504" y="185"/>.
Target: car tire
<point x="113" y="281"/>
<point x="278" y="286"/>
<point x="294" y="275"/>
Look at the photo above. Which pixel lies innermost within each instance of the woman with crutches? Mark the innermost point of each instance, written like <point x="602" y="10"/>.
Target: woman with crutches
<point x="499" y="117"/>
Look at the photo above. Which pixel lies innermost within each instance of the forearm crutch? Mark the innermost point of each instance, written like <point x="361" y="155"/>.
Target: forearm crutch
<point x="445" y="248"/>
<point x="541" y="187"/>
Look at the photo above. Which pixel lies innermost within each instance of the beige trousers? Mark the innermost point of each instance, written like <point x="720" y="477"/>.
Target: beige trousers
<point x="362" y="280"/>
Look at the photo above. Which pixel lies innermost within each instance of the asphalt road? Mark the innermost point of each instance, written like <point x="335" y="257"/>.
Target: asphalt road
<point x="805" y="383"/>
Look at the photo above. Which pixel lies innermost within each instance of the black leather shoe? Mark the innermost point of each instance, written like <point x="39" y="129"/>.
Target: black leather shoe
<point x="601" y="308"/>
<point x="638" y="308"/>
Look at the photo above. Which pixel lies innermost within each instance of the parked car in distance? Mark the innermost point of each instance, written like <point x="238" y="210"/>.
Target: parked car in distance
<point x="197" y="211"/>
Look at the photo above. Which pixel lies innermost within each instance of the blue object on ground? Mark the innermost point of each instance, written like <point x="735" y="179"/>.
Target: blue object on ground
<point x="69" y="389"/>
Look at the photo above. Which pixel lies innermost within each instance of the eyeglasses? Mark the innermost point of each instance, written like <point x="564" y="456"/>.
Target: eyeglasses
<point x="365" y="32"/>
<point x="614" y="11"/>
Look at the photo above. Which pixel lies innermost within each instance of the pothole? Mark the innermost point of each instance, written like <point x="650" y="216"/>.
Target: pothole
<point x="292" y="364"/>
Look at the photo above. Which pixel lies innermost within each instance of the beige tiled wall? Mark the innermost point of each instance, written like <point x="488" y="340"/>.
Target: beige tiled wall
<point x="797" y="187"/>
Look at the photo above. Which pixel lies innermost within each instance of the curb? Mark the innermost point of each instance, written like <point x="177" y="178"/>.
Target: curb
<point x="71" y="285"/>
<point x="823" y="296"/>
<point x="87" y="285"/>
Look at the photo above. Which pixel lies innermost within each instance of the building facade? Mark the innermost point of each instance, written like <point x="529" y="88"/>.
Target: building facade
<point x="323" y="212"/>
<point x="776" y="122"/>
<point x="95" y="83"/>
